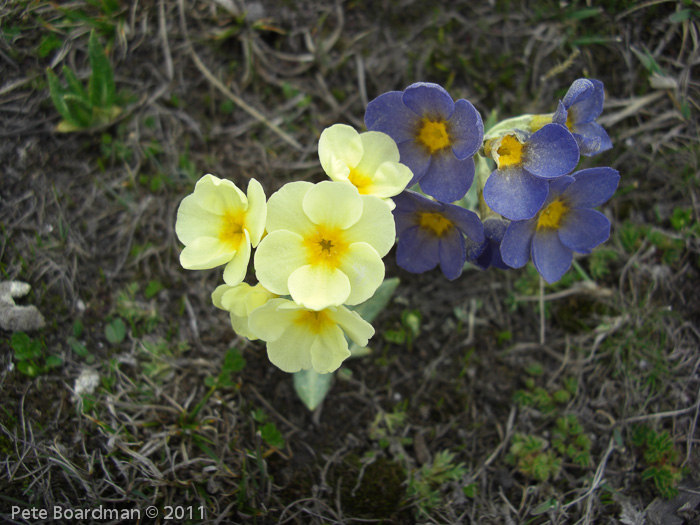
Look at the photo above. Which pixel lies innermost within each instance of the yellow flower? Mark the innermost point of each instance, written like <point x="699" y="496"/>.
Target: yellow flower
<point x="299" y="338"/>
<point x="325" y="244"/>
<point x="218" y="225"/>
<point x="240" y="301"/>
<point x="370" y="161"/>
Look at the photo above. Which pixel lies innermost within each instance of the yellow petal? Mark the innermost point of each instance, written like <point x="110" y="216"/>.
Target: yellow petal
<point x="352" y="324"/>
<point x="193" y="221"/>
<point x="277" y="256"/>
<point x="375" y="226"/>
<point x="256" y="214"/>
<point x="269" y="322"/>
<point x="235" y="270"/>
<point x="334" y="205"/>
<point x="319" y="286"/>
<point x="329" y="350"/>
<point x="364" y="270"/>
<point x="204" y="253"/>
<point x="284" y="209"/>
<point x="219" y="195"/>
<point x="389" y="180"/>
<point x="378" y="149"/>
<point x="339" y="150"/>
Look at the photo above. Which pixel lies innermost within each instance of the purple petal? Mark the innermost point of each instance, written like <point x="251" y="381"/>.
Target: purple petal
<point x="582" y="230"/>
<point x="494" y="230"/>
<point x="466" y="221"/>
<point x="416" y="157"/>
<point x="560" y="114"/>
<point x="551" y="258"/>
<point x="429" y="100"/>
<point x="515" y="194"/>
<point x="551" y="152"/>
<point x="466" y="129"/>
<point x="447" y="178"/>
<point x="387" y="113"/>
<point x="515" y="246"/>
<point x="580" y="90"/>
<point x="557" y="187"/>
<point x="417" y="252"/>
<point x="478" y="253"/>
<point x="452" y="253"/>
<point x="592" y="187"/>
<point x="592" y="131"/>
<point x="407" y="206"/>
<point x="587" y="146"/>
<point x="587" y="108"/>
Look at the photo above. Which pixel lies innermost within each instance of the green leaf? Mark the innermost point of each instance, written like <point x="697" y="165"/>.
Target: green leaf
<point x="233" y="361"/>
<point x="152" y="289"/>
<point x="312" y="387"/>
<point x="28" y="368"/>
<point x="101" y="83"/>
<point x="75" y="85"/>
<point x="545" y="506"/>
<point x="77" y="347"/>
<point x="371" y="308"/>
<point x="272" y="436"/>
<point x="53" y="361"/>
<point x="25" y="347"/>
<point x="375" y="304"/>
<point x="48" y="43"/>
<point x="80" y="111"/>
<point x="115" y="331"/>
<point x="57" y="91"/>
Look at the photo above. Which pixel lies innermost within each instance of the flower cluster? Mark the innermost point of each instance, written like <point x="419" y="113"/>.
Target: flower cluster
<point x="319" y="247"/>
<point x="523" y="168"/>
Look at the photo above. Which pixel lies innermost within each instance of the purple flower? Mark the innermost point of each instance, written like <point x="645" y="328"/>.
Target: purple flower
<point x="565" y="225"/>
<point x="488" y="252"/>
<point x="437" y="137"/>
<point x="432" y="233"/>
<point x="519" y="186"/>
<point x="582" y="104"/>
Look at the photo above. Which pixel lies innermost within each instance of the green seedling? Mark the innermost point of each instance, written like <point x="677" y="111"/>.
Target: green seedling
<point x="425" y="485"/>
<point x="569" y="439"/>
<point x="30" y="355"/>
<point x="661" y="459"/>
<point x="408" y="331"/>
<point x="82" y="107"/>
<point x="530" y="456"/>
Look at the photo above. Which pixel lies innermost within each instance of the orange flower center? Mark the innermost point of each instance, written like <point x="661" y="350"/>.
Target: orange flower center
<point x="434" y="135"/>
<point x="510" y="152"/>
<point x="435" y="222"/>
<point x="552" y="215"/>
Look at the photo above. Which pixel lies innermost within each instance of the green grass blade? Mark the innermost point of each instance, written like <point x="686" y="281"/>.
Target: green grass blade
<point x="101" y="83"/>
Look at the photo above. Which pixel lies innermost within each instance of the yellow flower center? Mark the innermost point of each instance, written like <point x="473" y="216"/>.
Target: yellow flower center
<point x="231" y="229"/>
<point x="510" y="152"/>
<point x="325" y="246"/>
<point x="315" y="322"/>
<point x="434" y="135"/>
<point x="435" y="222"/>
<point x="570" y="121"/>
<point x="360" y="181"/>
<point x="551" y="216"/>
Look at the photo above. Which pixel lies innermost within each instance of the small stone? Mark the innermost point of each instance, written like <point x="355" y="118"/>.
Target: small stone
<point x="86" y="382"/>
<point x="18" y="318"/>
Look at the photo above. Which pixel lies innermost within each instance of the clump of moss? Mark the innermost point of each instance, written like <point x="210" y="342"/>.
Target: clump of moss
<point x="379" y="492"/>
